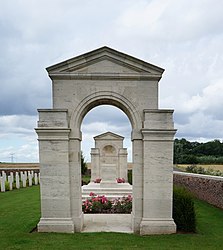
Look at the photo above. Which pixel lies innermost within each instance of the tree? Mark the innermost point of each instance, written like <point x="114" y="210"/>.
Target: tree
<point x="186" y="152"/>
<point x="83" y="164"/>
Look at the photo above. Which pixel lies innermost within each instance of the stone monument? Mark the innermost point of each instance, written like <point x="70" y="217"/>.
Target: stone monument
<point x="105" y="76"/>
<point x="108" y="151"/>
<point x="108" y="164"/>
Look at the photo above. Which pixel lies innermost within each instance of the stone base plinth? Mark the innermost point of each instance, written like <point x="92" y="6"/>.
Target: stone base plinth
<point x="159" y="226"/>
<point x="117" y="190"/>
<point x="78" y="223"/>
<point x="57" y="225"/>
<point x="135" y="223"/>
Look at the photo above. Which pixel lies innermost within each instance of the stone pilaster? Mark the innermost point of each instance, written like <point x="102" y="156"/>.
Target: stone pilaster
<point x="75" y="181"/>
<point x="122" y="157"/>
<point x="158" y="136"/>
<point x="53" y="137"/>
<point x="137" y="174"/>
<point x="95" y="164"/>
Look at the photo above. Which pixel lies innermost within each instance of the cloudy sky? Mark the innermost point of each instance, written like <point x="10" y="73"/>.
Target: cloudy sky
<point x="183" y="37"/>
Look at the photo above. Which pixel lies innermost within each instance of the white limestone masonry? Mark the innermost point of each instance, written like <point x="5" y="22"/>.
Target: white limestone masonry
<point x="109" y="162"/>
<point x="105" y="76"/>
<point x="108" y="151"/>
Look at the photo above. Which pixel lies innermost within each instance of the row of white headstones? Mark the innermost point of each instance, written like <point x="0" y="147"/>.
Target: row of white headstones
<point x="20" y="179"/>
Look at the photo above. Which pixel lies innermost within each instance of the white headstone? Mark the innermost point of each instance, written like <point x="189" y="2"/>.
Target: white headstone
<point x="25" y="173"/>
<point x="24" y="180"/>
<point x="2" y="180"/>
<point x="12" y="176"/>
<point x="10" y="180"/>
<point x="36" y="178"/>
<point x="4" y="175"/>
<point x="21" y="174"/>
<point x="30" y="179"/>
<point x="17" y="182"/>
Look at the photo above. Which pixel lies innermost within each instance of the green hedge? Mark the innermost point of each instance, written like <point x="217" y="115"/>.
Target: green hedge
<point x="183" y="210"/>
<point x="130" y="177"/>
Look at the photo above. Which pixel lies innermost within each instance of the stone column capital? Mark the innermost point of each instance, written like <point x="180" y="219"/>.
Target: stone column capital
<point x="48" y="134"/>
<point x="158" y="134"/>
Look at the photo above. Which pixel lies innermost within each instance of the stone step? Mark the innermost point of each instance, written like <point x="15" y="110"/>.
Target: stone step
<point x="124" y="189"/>
<point x="109" y="197"/>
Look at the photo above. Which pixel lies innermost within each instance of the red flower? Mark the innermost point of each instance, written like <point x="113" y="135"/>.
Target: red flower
<point x="103" y="199"/>
<point x="98" y="180"/>
<point x="120" y="180"/>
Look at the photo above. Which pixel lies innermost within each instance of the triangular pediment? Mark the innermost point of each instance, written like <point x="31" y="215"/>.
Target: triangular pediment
<point x="104" y="64"/>
<point x="104" y="61"/>
<point x="108" y="136"/>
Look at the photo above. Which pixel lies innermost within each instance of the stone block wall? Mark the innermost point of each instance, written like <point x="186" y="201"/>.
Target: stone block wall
<point x="205" y="187"/>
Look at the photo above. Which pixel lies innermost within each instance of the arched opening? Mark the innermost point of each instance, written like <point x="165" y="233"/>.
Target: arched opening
<point x="99" y="121"/>
<point x="135" y="117"/>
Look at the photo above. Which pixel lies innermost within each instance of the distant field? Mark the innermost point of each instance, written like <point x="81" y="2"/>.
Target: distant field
<point x="36" y="165"/>
<point x="205" y="166"/>
<point x="19" y="165"/>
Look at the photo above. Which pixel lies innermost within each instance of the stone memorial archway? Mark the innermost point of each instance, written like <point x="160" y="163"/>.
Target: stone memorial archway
<point x="105" y="76"/>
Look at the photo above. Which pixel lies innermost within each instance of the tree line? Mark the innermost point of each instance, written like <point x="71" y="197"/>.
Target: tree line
<point x="186" y="152"/>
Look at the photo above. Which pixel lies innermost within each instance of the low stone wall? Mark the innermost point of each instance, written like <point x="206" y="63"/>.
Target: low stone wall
<point x="205" y="187"/>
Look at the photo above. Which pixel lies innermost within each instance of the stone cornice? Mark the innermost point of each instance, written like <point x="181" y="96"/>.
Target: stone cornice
<point x="158" y="134"/>
<point x="158" y="111"/>
<point x="104" y="76"/>
<point x="52" y="110"/>
<point x="57" y="134"/>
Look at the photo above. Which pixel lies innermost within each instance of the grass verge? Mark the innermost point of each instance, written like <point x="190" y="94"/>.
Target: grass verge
<point x="20" y="212"/>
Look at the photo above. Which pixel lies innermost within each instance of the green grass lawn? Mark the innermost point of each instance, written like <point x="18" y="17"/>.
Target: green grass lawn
<point x="20" y="212"/>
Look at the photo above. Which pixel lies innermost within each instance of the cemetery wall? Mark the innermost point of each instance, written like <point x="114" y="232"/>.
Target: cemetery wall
<point x="205" y="187"/>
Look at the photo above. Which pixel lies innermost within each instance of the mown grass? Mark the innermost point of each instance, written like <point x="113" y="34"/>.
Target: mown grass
<point x="20" y="212"/>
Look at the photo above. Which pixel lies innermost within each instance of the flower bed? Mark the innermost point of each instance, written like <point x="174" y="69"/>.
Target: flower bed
<point x="100" y="204"/>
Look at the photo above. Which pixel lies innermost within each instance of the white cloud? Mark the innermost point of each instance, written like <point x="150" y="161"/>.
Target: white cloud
<point x="19" y="124"/>
<point x="201" y="126"/>
<point x="171" y="20"/>
<point x="17" y="137"/>
<point x="210" y="100"/>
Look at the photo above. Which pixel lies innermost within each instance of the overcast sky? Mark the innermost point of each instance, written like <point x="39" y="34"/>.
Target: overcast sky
<point x="183" y="37"/>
